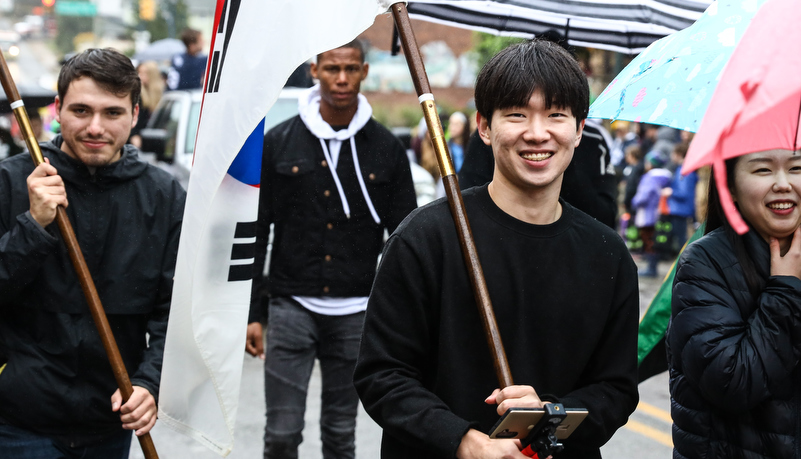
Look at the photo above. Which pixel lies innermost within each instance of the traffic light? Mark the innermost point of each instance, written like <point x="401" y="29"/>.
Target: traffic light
<point x="147" y="9"/>
<point x="48" y="3"/>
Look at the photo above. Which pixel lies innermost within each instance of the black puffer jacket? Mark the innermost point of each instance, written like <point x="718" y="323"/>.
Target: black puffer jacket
<point x="734" y="379"/>
<point x="127" y="218"/>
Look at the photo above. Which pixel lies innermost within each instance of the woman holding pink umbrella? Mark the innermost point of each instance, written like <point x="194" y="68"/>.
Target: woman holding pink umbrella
<point x="734" y="341"/>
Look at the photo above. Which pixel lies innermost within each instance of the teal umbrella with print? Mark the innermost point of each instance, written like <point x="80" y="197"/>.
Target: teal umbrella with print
<point x="672" y="81"/>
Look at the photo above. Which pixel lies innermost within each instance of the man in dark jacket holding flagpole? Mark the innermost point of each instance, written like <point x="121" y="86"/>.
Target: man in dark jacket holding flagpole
<point x="57" y="390"/>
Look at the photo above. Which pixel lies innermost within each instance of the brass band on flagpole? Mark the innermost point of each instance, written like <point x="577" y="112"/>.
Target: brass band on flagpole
<point x="78" y="261"/>
<point x="451" y="183"/>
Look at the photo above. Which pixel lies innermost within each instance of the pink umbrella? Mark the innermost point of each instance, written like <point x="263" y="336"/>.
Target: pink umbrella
<point x="757" y="103"/>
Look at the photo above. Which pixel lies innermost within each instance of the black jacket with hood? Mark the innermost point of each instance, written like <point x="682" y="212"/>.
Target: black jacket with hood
<point x="733" y="355"/>
<point x="127" y="219"/>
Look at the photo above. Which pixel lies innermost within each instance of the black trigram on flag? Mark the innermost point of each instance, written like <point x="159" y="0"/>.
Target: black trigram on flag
<point x="245" y="231"/>
<point x="225" y="28"/>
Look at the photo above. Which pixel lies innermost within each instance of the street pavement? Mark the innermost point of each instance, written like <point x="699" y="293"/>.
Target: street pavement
<point x="36" y="64"/>
<point x="646" y="436"/>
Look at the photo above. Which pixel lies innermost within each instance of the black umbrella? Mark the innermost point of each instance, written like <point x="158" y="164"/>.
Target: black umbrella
<point x="34" y="97"/>
<point x="160" y="50"/>
<point x="626" y="26"/>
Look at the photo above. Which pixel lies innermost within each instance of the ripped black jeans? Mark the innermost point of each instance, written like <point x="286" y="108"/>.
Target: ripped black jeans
<point x="295" y="337"/>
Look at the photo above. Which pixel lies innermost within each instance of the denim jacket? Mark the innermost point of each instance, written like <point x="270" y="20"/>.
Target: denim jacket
<point x="318" y="250"/>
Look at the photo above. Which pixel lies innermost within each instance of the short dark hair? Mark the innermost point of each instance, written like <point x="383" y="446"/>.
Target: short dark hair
<point x="681" y="149"/>
<point x="510" y="78"/>
<point x="190" y="36"/>
<point x="110" y="69"/>
<point x="355" y="44"/>
<point x="635" y="151"/>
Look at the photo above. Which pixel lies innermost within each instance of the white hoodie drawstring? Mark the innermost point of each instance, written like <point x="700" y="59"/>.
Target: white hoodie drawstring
<point x="332" y="168"/>
<point x="309" y="108"/>
<point x="361" y="182"/>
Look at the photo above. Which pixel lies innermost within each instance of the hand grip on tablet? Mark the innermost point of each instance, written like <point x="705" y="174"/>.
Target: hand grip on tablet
<point x="542" y="441"/>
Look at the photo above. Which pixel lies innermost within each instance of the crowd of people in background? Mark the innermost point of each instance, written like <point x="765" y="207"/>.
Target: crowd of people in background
<point x="659" y="202"/>
<point x="153" y="86"/>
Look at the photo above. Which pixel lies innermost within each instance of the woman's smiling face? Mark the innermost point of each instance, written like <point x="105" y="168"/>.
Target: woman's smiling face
<point x="767" y="189"/>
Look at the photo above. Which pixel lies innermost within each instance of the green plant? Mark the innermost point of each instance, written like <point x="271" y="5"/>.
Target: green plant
<point x="409" y="115"/>
<point x="381" y="114"/>
<point x="487" y="45"/>
<point x="68" y="28"/>
<point x="397" y="115"/>
<point x="161" y="27"/>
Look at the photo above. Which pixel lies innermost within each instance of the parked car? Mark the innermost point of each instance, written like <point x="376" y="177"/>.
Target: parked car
<point x="172" y="128"/>
<point x="9" y="44"/>
<point x="31" y="26"/>
<point x="169" y="137"/>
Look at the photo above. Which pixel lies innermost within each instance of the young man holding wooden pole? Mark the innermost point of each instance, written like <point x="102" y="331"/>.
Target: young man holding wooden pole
<point x="564" y="287"/>
<point x="57" y="390"/>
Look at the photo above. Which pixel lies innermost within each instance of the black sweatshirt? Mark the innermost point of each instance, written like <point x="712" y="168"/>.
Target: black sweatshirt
<point x="566" y="300"/>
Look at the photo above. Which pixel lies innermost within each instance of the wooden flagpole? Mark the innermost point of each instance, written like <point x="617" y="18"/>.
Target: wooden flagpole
<point x="449" y="179"/>
<point x="74" y="250"/>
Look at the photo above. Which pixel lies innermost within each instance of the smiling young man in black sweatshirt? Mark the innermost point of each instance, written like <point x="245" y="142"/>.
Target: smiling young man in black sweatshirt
<point x="563" y="285"/>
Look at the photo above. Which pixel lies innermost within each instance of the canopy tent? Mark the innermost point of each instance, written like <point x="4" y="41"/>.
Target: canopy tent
<point x="161" y="50"/>
<point x="626" y="26"/>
